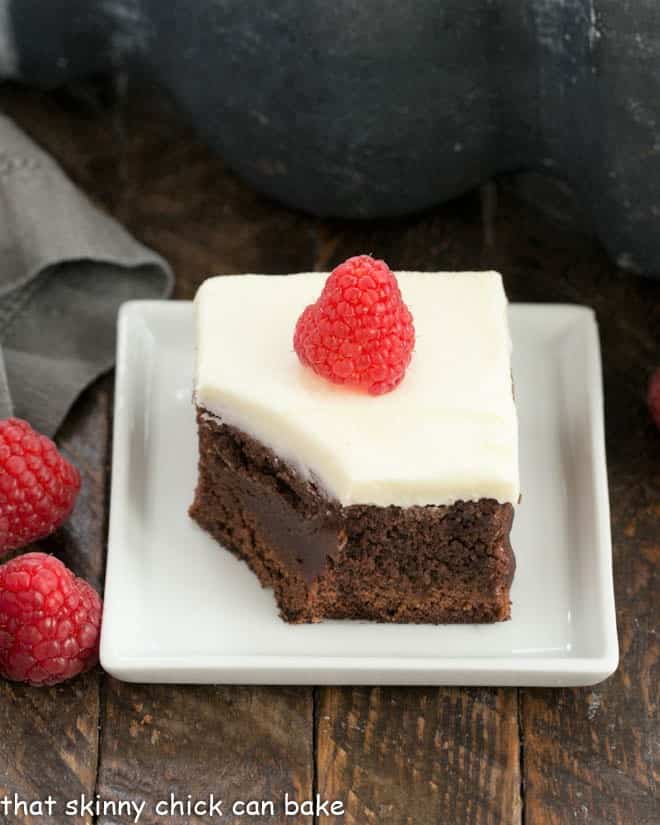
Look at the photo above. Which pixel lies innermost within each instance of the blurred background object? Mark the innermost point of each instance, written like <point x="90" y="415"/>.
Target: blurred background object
<point x="361" y="109"/>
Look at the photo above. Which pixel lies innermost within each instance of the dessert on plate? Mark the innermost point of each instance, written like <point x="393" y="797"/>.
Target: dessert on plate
<point x="358" y="441"/>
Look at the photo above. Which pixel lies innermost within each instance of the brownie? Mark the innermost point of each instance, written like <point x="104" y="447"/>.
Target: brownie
<point x="435" y="564"/>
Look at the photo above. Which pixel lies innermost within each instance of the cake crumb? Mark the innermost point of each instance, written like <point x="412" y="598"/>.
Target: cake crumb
<point x="594" y="706"/>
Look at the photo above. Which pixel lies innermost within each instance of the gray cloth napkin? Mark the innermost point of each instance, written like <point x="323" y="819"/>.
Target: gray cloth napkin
<point x="65" y="268"/>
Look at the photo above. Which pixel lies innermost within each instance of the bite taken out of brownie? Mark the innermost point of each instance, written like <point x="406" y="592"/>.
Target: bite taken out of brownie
<point x="431" y="563"/>
<point x="385" y="493"/>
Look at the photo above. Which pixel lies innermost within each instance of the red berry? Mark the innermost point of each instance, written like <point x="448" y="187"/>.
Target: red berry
<point x="359" y="332"/>
<point x="38" y="487"/>
<point x="49" y="621"/>
<point x="654" y="397"/>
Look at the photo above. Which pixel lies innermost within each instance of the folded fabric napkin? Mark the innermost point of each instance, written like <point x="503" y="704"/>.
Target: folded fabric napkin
<point x="65" y="268"/>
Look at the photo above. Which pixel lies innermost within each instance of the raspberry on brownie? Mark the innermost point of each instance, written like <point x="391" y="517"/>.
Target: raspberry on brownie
<point x="358" y="477"/>
<point x="359" y="332"/>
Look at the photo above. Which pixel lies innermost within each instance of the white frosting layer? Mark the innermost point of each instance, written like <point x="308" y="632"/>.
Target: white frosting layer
<point x="448" y="432"/>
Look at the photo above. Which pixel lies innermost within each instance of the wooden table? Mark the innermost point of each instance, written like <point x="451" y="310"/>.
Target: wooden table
<point x="423" y="756"/>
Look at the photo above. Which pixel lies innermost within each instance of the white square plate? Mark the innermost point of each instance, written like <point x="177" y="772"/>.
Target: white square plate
<point x="178" y="608"/>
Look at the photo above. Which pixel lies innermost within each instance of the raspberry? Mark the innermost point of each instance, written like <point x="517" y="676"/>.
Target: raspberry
<point x="38" y="487"/>
<point x="359" y="332"/>
<point x="654" y="397"/>
<point x="49" y="621"/>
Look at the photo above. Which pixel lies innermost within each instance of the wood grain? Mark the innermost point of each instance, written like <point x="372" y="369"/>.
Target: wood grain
<point x="592" y="754"/>
<point x="420" y="756"/>
<point x="236" y="742"/>
<point x="49" y="736"/>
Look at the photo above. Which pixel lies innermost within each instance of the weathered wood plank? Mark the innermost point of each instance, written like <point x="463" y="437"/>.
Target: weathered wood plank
<point x="591" y="755"/>
<point x="49" y="736"/>
<point x="239" y="743"/>
<point x="420" y="756"/>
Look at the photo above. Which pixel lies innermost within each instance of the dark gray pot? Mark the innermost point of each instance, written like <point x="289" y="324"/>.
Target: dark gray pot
<point x="360" y="108"/>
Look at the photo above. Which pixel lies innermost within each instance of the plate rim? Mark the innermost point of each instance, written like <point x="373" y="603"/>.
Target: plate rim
<point x="498" y="670"/>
